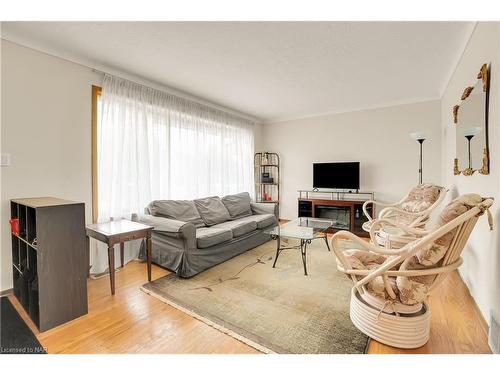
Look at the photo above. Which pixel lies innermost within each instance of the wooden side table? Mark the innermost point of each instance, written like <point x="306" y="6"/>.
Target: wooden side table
<point x="120" y="231"/>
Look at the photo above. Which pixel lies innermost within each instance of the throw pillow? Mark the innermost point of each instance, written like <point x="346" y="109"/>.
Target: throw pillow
<point x="212" y="210"/>
<point x="238" y="205"/>
<point x="177" y="210"/>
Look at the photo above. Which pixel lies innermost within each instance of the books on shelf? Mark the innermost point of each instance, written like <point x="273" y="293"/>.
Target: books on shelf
<point x="266" y="178"/>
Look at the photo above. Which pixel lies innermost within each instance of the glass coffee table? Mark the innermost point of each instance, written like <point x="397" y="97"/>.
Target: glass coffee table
<point x="305" y="229"/>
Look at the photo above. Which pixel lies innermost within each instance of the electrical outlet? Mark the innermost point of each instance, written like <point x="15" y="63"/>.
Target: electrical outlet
<point x="5" y="160"/>
<point x="494" y="336"/>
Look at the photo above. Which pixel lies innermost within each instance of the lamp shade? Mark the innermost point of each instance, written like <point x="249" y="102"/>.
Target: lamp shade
<point x="417" y="136"/>
<point x="472" y="131"/>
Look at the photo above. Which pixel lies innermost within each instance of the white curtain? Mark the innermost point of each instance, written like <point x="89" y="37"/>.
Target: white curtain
<point x="210" y="153"/>
<point x="153" y="145"/>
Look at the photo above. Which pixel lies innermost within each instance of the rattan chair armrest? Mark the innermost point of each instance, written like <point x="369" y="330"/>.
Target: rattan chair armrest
<point x="396" y="210"/>
<point x="375" y="203"/>
<point x="365" y="246"/>
<point x="407" y="273"/>
<point x="380" y="223"/>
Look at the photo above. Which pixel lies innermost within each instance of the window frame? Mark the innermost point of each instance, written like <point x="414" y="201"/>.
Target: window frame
<point x="96" y="93"/>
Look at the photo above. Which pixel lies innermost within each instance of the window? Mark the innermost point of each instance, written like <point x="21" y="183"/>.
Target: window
<point x="149" y="145"/>
<point x="96" y="103"/>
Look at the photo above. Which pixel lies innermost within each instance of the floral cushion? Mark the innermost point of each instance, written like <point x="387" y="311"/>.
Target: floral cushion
<point x="405" y="219"/>
<point x="433" y="254"/>
<point x="413" y="290"/>
<point x="364" y="260"/>
<point x="420" y="198"/>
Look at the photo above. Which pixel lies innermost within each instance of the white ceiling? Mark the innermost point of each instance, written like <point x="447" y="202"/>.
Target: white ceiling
<point x="270" y="70"/>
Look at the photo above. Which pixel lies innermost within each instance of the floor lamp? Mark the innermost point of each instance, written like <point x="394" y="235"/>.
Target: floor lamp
<point x="420" y="138"/>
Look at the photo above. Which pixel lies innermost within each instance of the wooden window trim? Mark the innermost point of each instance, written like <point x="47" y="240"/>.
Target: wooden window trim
<point x="96" y="92"/>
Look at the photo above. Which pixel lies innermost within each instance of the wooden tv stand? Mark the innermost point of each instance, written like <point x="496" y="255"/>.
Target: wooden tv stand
<point x="349" y="213"/>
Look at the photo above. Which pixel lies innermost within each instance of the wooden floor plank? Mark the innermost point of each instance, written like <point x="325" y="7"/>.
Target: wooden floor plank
<point x="456" y="324"/>
<point x="134" y="322"/>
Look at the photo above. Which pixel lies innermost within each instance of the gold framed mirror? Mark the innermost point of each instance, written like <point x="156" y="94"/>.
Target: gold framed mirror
<point x="471" y="127"/>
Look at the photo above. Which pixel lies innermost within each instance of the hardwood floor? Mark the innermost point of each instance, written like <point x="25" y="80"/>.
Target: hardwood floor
<point x="134" y="322"/>
<point x="457" y="326"/>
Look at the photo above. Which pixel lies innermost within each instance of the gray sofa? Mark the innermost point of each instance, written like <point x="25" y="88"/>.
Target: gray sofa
<point x="191" y="236"/>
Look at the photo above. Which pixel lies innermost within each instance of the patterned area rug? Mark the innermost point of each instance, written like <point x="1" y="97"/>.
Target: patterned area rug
<point x="276" y="310"/>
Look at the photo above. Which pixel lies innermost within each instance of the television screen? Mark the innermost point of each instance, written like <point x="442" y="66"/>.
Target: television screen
<point x="336" y="175"/>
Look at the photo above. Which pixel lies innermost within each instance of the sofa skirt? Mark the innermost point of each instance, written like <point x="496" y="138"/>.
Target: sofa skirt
<point x="169" y="252"/>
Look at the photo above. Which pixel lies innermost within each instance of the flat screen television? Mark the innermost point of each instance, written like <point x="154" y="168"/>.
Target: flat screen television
<point x="336" y="175"/>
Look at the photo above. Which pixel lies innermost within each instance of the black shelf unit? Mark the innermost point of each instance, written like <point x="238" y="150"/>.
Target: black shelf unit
<point x="49" y="260"/>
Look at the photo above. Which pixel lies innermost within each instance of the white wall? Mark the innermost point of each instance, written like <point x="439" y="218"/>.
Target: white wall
<point x="46" y="127"/>
<point x="258" y="146"/>
<point x="378" y="138"/>
<point x="481" y="268"/>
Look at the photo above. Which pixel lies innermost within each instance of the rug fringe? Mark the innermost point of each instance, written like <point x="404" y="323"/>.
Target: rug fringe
<point x="219" y="327"/>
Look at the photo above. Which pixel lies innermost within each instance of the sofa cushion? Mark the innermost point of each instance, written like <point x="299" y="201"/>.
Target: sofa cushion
<point x="263" y="220"/>
<point x="180" y="210"/>
<point x="238" y="227"/>
<point x="212" y="210"/>
<point x="207" y="237"/>
<point x="238" y="205"/>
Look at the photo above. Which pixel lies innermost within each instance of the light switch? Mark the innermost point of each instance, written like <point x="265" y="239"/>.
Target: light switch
<point x="5" y="160"/>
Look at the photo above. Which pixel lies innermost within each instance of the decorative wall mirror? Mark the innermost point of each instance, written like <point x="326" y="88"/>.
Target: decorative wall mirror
<point x="471" y="120"/>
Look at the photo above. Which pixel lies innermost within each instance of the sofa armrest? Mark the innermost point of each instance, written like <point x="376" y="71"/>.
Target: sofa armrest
<point x="169" y="227"/>
<point x="264" y="208"/>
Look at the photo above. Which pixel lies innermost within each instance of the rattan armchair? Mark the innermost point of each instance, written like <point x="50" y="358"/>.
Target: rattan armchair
<point x="388" y="300"/>
<point x="412" y="211"/>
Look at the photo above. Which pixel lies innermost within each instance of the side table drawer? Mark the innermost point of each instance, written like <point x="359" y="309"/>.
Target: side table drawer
<point x="129" y="237"/>
<point x="133" y="236"/>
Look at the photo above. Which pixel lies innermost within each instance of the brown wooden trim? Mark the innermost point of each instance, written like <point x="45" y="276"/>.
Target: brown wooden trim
<point x="350" y="204"/>
<point x="96" y="92"/>
<point x="331" y="202"/>
<point x="6" y="292"/>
